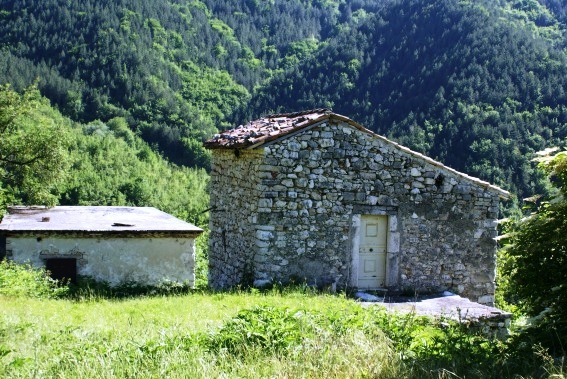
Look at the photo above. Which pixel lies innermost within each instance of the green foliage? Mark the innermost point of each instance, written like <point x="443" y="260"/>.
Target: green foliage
<point x="268" y="328"/>
<point x="457" y="81"/>
<point x="22" y="280"/>
<point x="536" y="263"/>
<point x="88" y="289"/>
<point x="555" y="165"/>
<point x="426" y="347"/>
<point x="33" y="147"/>
<point x="111" y="166"/>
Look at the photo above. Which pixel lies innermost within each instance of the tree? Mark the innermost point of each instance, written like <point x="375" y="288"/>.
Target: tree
<point x="536" y="263"/>
<point x="32" y="148"/>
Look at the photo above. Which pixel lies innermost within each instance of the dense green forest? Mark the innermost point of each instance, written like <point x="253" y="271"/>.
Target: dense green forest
<point x="457" y="84"/>
<point x="479" y="85"/>
<point x="47" y="158"/>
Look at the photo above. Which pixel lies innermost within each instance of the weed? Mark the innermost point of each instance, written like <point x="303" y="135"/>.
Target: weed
<point x="23" y="280"/>
<point x="264" y="327"/>
<point x="89" y="289"/>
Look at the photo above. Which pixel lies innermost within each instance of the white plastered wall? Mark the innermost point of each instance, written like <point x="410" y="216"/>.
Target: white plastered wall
<point x="115" y="260"/>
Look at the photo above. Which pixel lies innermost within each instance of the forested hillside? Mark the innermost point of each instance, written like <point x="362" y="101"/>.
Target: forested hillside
<point x="87" y="164"/>
<point x="457" y="83"/>
<point x="479" y="85"/>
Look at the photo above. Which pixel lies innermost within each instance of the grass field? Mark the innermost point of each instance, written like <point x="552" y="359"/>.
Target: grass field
<point x="282" y="333"/>
<point x="161" y="337"/>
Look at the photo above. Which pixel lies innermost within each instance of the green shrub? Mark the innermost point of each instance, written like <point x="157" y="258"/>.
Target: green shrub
<point x="534" y="263"/>
<point x="270" y="328"/>
<point x="424" y="346"/>
<point x="23" y="280"/>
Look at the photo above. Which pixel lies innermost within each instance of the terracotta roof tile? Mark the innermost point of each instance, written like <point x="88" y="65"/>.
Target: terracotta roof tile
<point x="266" y="129"/>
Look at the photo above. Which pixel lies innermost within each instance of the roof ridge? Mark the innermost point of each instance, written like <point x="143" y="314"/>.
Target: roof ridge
<point x="301" y="113"/>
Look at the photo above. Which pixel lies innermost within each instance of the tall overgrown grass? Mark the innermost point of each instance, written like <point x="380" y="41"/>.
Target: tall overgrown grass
<point x="21" y="280"/>
<point x="284" y="333"/>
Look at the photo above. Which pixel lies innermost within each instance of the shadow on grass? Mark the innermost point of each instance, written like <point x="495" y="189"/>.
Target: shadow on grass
<point x="88" y="288"/>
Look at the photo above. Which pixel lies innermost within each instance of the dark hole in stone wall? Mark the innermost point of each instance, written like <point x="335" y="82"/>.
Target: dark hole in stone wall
<point x="439" y="179"/>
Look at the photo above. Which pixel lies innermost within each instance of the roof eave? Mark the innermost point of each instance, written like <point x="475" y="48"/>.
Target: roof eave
<point x="103" y="233"/>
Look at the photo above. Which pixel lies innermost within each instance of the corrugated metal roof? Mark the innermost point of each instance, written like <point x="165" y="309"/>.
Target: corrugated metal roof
<point x="101" y="219"/>
<point x="269" y="128"/>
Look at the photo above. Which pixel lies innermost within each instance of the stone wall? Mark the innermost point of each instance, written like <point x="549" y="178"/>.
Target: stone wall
<point x="296" y="202"/>
<point x="494" y="327"/>
<point x="234" y="203"/>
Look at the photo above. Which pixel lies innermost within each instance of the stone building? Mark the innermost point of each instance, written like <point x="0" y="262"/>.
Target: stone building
<point x="114" y="244"/>
<point x="316" y="197"/>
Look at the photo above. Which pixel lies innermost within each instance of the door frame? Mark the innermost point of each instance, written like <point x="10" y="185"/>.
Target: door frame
<point x="392" y="247"/>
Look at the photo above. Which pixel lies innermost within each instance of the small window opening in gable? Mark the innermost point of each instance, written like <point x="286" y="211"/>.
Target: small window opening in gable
<point x="62" y="269"/>
<point x="439" y="179"/>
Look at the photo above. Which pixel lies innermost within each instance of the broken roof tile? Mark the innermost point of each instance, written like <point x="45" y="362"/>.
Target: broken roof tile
<point x="266" y="129"/>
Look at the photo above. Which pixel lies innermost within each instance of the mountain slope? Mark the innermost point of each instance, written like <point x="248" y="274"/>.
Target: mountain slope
<point x="477" y="84"/>
<point x="148" y="61"/>
<point x="454" y="80"/>
<point x="88" y="164"/>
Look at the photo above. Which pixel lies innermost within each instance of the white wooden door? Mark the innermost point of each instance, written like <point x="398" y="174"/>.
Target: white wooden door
<point x="372" y="251"/>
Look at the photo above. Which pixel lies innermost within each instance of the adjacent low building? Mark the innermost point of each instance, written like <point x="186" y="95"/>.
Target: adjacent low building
<point x="315" y="197"/>
<point x="113" y="244"/>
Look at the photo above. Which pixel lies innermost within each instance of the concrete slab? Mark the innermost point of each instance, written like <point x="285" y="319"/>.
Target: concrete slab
<point x="445" y="305"/>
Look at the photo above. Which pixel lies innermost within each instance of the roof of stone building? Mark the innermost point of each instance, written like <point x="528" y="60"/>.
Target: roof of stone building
<point x="268" y="128"/>
<point x="272" y="127"/>
<point x="93" y="219"/>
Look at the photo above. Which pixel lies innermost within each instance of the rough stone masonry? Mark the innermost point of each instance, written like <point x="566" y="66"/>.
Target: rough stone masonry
<point x="288" y="193"/>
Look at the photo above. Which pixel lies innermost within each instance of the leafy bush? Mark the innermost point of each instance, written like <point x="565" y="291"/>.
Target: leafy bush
<point x="269" y="328"/>
<point x="23" y="280"/>
<point x="426" y="347"/>
<point x="535" y="263"/>
<point x="432" y="347"/>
